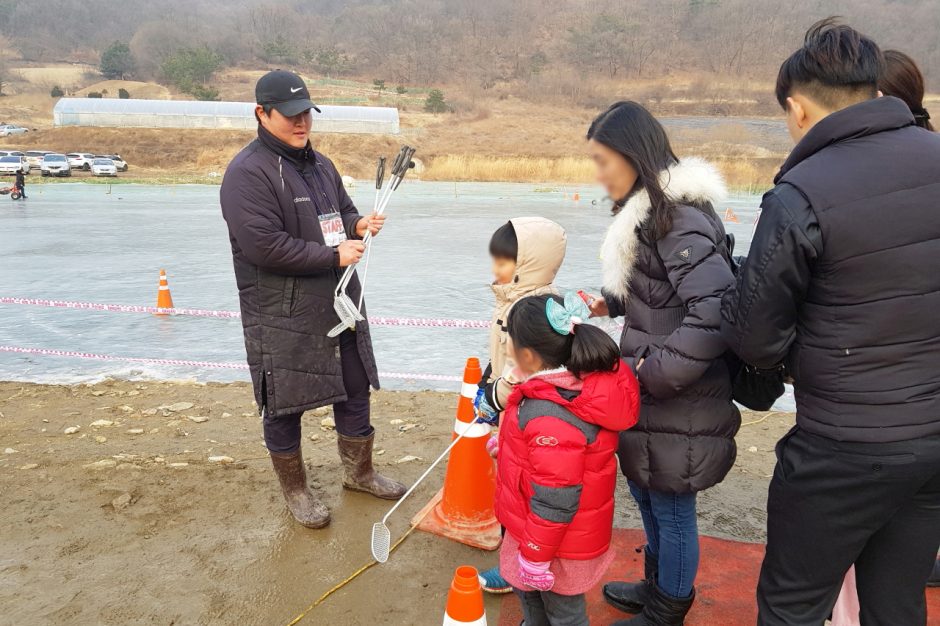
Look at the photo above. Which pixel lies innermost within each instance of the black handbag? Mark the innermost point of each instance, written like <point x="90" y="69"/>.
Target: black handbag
<point x="755" y="388"/>
<point x="751" y="387"/>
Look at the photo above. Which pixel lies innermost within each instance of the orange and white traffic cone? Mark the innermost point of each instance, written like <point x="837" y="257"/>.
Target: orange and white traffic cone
<point x="164" y="299"/>
<point x="465" y="599"/>
<point x="463" y="509"/>
<point x="730" y="216"/>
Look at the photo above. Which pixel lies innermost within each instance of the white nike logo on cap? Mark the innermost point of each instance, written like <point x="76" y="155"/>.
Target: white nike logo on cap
<point x="295" y="89"/>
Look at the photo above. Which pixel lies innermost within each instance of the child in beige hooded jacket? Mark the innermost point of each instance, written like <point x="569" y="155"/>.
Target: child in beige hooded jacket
<point x="527" y="254"/>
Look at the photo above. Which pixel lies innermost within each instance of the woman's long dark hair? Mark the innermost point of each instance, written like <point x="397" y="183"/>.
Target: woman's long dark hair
<point x="588" y="349"/>
<point x="629" y="129"/>
<point x="903" y="79"/>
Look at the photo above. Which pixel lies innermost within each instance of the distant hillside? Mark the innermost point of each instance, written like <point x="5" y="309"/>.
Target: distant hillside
<point x="566" y="51"/>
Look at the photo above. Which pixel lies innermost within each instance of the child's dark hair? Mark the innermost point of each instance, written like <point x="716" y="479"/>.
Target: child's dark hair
<point x="587" y="349"/>
<point x="836" y="67"/>
<point x="503" y="243"/>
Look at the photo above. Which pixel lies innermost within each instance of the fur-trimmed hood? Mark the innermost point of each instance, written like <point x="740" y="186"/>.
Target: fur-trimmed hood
<point x="692" y="181"/>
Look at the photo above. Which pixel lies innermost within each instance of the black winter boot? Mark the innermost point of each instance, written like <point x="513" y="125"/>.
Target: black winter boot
<point x="303" y="504"/>
<point x="661" y="610"/>
<point x="631" y="597"/>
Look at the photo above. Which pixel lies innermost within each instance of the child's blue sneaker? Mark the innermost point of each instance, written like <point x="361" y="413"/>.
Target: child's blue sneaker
<point x="492" y="582"/>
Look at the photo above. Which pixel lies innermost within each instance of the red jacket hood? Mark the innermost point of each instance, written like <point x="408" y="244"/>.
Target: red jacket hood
<point x="610" y="400"/>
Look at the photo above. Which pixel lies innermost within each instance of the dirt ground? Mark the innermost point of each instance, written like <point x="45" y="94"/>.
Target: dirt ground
<point x="132" y="519"/>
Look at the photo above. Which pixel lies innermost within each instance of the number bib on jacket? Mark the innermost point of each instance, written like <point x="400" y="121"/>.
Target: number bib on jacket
<point x="334" y="233"/>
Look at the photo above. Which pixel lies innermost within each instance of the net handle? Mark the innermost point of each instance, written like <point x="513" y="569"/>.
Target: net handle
<point x="428" y="471"/>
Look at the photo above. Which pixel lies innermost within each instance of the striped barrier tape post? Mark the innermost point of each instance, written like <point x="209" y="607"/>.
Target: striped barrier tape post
<point x="131" y="308"/>
<point x="199" y="364"/>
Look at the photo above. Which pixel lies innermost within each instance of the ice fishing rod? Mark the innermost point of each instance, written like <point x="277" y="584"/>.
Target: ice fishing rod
<point x="400" y="167"/>
<point x="348" y="312"/>
<point x="379" y="177"/>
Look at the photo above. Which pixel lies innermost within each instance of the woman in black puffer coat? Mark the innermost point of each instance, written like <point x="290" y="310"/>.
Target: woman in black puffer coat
<point x="666" y="266"/>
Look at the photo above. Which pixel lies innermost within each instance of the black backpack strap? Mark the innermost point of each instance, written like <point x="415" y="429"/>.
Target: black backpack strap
<point x="531" y="408"/>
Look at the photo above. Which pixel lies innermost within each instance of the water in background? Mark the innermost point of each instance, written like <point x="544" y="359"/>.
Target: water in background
<point x="100" y="244"/>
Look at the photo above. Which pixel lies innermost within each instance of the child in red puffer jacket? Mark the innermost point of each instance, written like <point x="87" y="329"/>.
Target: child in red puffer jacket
<point x="557" y="470"/>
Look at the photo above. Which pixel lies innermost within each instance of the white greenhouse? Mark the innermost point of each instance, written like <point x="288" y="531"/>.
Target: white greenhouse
<point x="130" y="113"/>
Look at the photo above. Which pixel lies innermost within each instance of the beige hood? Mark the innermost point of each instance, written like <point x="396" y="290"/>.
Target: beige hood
<point x="541" y="251"/>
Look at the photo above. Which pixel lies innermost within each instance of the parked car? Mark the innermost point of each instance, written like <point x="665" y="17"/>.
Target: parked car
<point x="4" y="153"/>
<point x="119" y="161"/>
<point x="80" y="160"/>
<point x="12" y="129"/>
<point x="11" y="164"/>
<point x="34" y="157"/>
<point x="103" y="167"/>
<point x="55" y="165"/>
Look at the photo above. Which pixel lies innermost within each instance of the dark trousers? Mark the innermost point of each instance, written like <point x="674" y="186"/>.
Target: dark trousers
<point x="282" y="434"/>
<point x="544" y="608"/>
<point x="832" y="504"/>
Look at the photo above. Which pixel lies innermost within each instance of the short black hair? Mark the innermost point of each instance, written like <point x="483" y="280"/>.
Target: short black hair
<point x="504" y="244"/>
<point x="267" y="108"/>
<point x="836" y="66"/>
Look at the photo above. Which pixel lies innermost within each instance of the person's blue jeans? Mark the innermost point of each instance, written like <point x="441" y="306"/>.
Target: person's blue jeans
<point x="671" y="536"/>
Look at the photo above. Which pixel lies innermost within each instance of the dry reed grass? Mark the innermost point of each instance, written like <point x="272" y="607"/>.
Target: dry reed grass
<point x="741" y="174"/>
<point x="749" y="175"/>
<point x="65" y="74"/>
<point x="158" y="154"/>
<point x="502" y="139"/>
<point x="524" y="169"/>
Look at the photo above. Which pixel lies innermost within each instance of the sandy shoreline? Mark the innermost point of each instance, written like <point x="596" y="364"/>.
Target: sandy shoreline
<point x="134" y="520"/>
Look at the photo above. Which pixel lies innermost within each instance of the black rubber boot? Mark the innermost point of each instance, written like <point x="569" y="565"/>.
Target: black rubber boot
<point x="631" y="597"/>
<point x="661" y="610"/>
<point x="934" y="580"/>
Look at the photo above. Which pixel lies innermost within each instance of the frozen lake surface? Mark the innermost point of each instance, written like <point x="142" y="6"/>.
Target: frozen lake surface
<point x="79" y="242"/>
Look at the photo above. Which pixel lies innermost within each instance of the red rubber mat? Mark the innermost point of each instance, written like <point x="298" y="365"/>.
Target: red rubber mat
<point x="726" y="583"/>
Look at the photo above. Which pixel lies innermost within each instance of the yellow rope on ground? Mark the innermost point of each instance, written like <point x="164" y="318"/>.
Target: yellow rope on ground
<point x="349" y="579"/>
<point x="760" y="420"/>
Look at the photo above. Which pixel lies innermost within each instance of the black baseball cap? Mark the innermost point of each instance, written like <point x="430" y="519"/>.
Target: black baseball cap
<point x="285" y="91"/>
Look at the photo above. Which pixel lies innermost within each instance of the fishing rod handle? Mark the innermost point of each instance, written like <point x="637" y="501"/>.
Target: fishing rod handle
<point x="380" y="173"/>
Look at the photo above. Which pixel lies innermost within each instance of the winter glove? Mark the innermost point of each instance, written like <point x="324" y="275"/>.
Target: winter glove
<point x="485" y="412"/>
<point x="536" y="575"/>
<point x="492" y="445"/>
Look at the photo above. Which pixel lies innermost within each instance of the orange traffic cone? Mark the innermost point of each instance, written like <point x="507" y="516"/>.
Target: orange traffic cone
<point x="465" y="599"/>
<point x="576" y="197"/>
<point x="164" y="299"/>
<point x="731" y="217"/>
<point x="463" y="509"/>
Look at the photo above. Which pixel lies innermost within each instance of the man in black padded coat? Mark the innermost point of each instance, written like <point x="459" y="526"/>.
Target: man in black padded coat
<point x="842" y="285"/>
<point x="293" y="230"/>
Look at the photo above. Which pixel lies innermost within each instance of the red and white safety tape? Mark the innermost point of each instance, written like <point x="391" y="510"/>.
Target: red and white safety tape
<point x="199" y="364"/>
<point x="412" y="322"/>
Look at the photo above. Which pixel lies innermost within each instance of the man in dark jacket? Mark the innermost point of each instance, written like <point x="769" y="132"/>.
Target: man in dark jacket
<point x="841" y="285"/>
<point x="293" y="228"/>
<point x="21" y="183"/>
